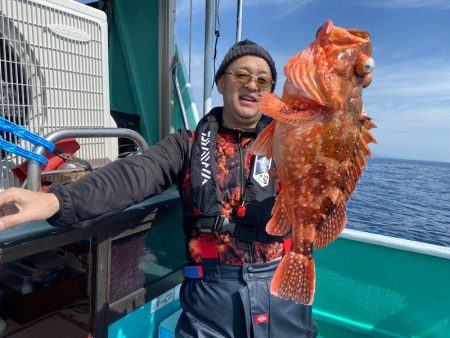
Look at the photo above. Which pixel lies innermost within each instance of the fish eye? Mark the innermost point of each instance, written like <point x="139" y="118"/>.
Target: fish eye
<point x="365" y="65"/>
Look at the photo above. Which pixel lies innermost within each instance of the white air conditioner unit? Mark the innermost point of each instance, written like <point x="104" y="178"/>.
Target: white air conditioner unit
<point x="54" y="74"/>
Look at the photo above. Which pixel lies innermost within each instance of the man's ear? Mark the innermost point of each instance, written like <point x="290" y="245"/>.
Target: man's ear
<point x="219" y="85"/>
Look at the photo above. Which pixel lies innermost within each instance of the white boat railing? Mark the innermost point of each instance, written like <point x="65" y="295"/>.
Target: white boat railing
<point x="397" y="243"/>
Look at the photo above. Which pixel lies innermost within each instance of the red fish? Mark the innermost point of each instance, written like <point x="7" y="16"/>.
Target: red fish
<point x="318" y="139"/>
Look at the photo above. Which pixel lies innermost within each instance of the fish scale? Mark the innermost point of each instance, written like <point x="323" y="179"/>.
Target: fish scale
<point x="318" y="139"/>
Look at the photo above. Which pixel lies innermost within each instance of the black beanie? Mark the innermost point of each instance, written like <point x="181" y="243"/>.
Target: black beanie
<point x="243" y="48"/>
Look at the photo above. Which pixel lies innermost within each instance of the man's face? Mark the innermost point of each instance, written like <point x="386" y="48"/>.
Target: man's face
<point x="240" y="100"/>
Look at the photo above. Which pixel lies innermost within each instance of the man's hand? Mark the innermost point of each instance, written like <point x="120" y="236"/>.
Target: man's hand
<point x="21" y="206"/>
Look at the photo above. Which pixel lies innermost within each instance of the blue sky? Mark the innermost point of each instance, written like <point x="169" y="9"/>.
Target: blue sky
<point x="409" y="97"/>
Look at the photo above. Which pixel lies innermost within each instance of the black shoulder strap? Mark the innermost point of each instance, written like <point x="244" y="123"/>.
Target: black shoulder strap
<point x="203" y="179"/>
<point x="205" y="193"/>
<point x="263" y="122"/>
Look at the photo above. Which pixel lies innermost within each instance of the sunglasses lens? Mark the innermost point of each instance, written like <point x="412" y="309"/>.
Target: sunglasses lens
<point x="262" y="82"/>
<point x="243" y="77"/>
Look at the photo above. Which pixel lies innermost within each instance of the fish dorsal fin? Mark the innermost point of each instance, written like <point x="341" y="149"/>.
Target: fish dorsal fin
<point x="337" y="219"/>
<point x="358" y="161"/>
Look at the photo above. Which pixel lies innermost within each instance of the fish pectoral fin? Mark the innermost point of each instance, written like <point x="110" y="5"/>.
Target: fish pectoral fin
<point x="279" y="223"/>
<point x="330" y="229"/>
<point x="263" y="143"/>
<point x="295" y="278"/>
<point x="271" y="105"/>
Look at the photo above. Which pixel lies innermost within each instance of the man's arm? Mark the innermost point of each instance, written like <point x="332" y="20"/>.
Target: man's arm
<point x="107" y="191"/>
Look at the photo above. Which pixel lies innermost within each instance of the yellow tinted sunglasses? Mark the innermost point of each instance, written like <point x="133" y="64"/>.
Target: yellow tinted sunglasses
<point x="263" y="82"/>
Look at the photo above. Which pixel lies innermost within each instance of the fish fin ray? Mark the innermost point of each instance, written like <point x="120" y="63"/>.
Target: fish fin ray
<point x="295" y="278"/>
<point x="278" y="225"/>
<point x="366" y="125"/>
<point x="271" y="105"/>
<point x="264" y="141"/>
<point x="367" y="136"/>
<point x="366" y="122"/>
<point x="355" y="169"/>
<point x="333" y="225"/>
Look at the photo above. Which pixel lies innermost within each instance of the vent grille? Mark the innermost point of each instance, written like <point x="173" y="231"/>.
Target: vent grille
<point x="53" y="75"/>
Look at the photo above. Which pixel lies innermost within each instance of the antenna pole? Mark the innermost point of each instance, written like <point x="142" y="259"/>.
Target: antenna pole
<point x="239" y="20"/>
<point x="209" y="50"/>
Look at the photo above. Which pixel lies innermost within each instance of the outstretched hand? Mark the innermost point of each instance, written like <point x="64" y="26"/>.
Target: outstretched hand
<point x="21" y="206"/>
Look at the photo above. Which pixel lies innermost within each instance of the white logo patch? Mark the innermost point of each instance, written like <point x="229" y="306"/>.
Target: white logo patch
<point x="206" y="171"/>
<point x="261" y="170"/>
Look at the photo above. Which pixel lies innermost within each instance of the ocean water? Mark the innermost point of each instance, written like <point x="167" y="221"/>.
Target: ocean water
<point x="403" y="198"/>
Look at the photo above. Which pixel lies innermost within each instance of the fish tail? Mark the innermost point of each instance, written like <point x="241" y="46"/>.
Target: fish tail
<point x="263" y="143"/>
<point x="278" y="224"/>
<point x="295" y="278"/>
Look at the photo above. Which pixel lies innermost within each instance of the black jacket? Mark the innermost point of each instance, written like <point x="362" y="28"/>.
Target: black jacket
<point x="121" y="183"/>
<point x="134" y="179"/>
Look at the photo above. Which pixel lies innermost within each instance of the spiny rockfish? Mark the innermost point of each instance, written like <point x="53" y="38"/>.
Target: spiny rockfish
<point x="318" y="139"/>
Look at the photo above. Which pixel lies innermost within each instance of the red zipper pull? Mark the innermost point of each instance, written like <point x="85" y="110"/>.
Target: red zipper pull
<point x="240" y="212"/>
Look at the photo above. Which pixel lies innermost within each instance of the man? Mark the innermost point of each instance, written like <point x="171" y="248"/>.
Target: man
<point x="227" y="200"/>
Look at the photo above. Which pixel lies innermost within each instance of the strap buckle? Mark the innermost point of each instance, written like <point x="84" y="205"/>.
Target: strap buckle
<point x="226" y="226"/>
<point x="208" y="224"/>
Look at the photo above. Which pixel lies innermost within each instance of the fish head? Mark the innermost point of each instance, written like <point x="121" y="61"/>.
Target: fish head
<point x="333" y="69"/>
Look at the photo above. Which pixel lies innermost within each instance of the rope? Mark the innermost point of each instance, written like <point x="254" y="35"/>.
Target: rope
<point x="73" y="159"/>
<point x="217" y="34"/>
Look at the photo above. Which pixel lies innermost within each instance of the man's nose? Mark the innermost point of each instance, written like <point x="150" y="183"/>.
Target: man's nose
<point x="252" y="84"/>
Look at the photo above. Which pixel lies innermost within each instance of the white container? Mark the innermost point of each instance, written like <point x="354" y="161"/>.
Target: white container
<point x="54" y="74"/>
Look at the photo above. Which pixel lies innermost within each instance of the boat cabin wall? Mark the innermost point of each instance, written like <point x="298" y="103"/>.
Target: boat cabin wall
<point x="142" y="59"/>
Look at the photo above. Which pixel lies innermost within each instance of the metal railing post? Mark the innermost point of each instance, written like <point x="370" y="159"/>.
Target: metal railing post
<point x="34" y="168"/>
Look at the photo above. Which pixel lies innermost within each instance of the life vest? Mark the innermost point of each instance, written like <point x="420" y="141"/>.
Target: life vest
<point x="259" y="189"/>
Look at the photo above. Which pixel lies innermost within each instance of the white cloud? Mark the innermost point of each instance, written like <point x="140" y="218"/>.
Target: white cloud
<point x="183" y="8"/>
<point x="196" y="77"/>
<point x="409" y="98"/>
<point x="418" y="81"/>
<point x="280" y="7"/>
<point x="425" y="145"/>
<point x="410" y="103"/>
<point x="417" y="91"/>
<point x="413" y="4"/>
<point x="284" y="7"/>
<point x="198" y="6"/>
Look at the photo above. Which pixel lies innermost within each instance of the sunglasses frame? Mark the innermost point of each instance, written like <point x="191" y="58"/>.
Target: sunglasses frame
<point x="251" y="77"/>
